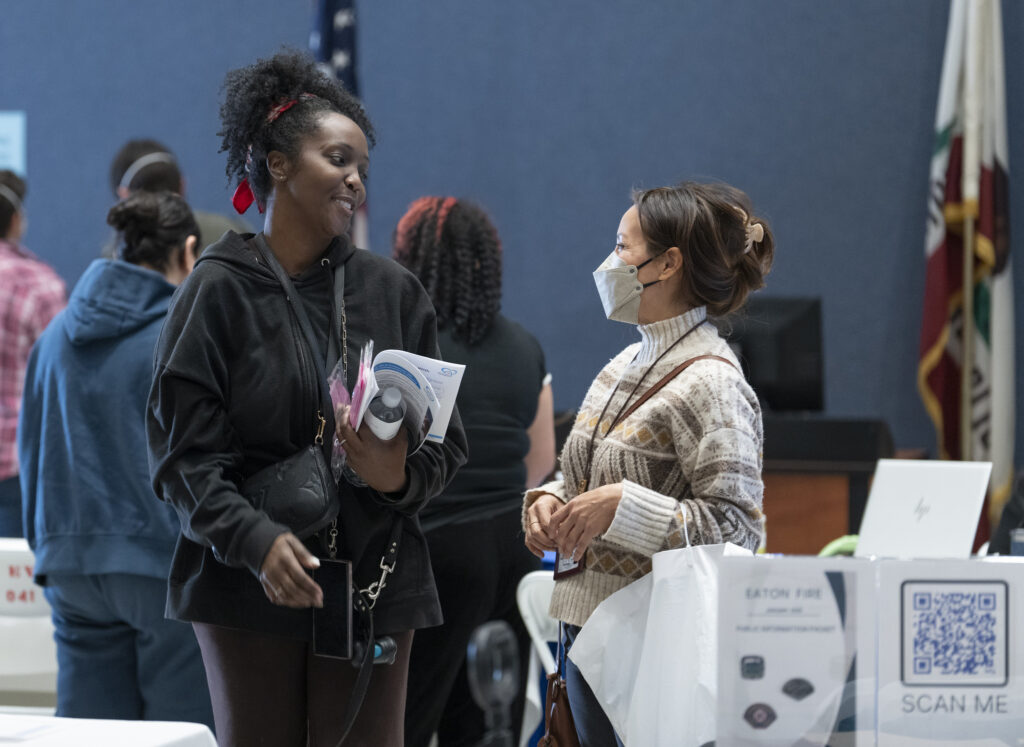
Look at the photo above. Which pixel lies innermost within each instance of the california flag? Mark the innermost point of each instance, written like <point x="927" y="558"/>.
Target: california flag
<point x="969" y="180"/>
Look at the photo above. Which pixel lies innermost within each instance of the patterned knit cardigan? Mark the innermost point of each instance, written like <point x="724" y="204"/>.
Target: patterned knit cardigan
<point x="690" y="455"/>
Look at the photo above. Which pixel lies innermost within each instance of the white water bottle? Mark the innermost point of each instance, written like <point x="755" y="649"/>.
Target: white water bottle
<point x="385" y="414"/>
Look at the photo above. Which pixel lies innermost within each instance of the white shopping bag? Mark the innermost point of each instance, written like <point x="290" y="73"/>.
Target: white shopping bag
<point x="650" y="651"/>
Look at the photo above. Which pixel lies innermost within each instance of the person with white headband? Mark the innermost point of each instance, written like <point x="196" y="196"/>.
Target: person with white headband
<point x="102" y="542"/>
<point x="31" y="294"/>
<point x="667" y="443"/>
<point x="149" y="166"/>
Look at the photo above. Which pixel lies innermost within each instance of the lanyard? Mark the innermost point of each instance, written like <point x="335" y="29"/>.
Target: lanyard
<point x="582" y="487"/>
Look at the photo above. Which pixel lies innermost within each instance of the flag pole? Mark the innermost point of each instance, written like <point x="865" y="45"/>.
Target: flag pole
<point x="967" y="368"/>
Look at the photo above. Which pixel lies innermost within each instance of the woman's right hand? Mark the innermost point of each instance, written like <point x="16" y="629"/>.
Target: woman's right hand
<point x="283" y="574"/>
<point x="538" y="517"/>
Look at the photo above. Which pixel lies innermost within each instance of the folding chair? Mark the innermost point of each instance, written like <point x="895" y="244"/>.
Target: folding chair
<point x="533" y="596"/>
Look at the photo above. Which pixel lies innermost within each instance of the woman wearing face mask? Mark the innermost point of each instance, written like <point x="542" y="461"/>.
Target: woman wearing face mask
<point x="687" y="460"/>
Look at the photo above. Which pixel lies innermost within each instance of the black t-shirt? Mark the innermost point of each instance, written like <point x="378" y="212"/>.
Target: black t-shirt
<point x="498" y="402"/>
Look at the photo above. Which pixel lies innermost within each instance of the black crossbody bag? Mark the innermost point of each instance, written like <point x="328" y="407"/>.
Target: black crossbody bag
<point x="300" y="491"/>
<point x="309" y="472"/>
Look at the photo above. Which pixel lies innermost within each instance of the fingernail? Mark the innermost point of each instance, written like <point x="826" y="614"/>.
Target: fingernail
<point x="316" y="562"/>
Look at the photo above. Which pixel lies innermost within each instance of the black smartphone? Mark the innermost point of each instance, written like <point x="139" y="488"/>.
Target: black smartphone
<point x="332" y="623"/>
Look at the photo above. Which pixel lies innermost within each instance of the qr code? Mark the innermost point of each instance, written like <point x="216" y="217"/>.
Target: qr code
<point x="954" y="633"/>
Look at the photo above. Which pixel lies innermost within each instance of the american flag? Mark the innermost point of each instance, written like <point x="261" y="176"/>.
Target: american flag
<point x="333" y="43"/>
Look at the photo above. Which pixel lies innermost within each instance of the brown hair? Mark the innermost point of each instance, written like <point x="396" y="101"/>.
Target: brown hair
<point x="709" y="224"/>
<point x="8" y="209"/>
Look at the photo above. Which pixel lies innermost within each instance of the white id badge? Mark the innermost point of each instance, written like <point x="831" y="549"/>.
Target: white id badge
<point x="566" y="566"/>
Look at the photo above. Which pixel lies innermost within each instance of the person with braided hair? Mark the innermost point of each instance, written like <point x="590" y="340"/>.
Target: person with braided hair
<point x="506" y="405"/>
<point x="102" y="541"/>
<point x="666" y="447"/>
<point x="238" y="379"/>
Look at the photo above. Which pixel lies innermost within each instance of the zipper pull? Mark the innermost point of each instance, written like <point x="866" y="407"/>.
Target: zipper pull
<point x="320" y="432"/>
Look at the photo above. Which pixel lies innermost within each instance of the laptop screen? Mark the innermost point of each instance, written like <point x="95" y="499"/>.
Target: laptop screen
<point x="919" y="508"/>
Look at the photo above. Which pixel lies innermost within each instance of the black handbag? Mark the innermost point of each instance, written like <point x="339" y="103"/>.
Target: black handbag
<point x="300" y="491"/>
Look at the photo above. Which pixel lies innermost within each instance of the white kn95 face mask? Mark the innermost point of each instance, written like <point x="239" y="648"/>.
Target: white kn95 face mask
<point x="619" y="289"/>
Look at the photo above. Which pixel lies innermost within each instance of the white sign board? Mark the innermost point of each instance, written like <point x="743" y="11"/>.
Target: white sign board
<point x="12" y="142"/>
<point x="950" y="665"/>
<point x="19" y="596"/>
<point x="796" y="652"/>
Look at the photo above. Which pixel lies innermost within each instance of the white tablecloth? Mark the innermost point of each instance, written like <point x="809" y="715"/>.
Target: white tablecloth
<point x="41" y="731"/>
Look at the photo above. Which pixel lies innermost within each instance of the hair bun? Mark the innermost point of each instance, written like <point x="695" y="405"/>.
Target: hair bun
<point x="152" y="226"/>
<point x="137" y="215"/>
<point x="726" y="249"/>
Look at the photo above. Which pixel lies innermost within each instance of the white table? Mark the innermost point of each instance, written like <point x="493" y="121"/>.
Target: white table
<point x="43" y="731"/>
<point x="28" y="655"/>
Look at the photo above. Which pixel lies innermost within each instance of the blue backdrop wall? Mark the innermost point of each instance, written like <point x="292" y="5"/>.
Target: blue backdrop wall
<point x="548" y="114"/>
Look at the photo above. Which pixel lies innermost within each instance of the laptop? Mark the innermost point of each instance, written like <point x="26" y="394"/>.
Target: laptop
<point x="919" y="508"/>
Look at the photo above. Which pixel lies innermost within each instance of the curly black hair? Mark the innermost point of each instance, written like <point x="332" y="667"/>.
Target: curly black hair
<point x="153" y="227"/>
<point x="453" y="248"/>
<point x="250" y="95"/>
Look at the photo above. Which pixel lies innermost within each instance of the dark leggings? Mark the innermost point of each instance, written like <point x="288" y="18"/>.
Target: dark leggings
<point x="266" y="690"/>
<point x="477" y="566"/>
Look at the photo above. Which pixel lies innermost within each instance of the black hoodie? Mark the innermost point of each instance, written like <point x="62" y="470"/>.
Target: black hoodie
<point x="234" y="391"/>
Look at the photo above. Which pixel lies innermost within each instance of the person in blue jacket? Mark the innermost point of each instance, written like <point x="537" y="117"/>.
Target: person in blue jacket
<point x="102" y="540"/>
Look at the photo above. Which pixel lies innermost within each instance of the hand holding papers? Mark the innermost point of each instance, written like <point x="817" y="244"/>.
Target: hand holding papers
<point x="428" y="388"/>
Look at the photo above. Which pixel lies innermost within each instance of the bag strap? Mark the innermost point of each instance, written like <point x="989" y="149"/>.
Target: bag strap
<point x="365" y="599"/>
<point x="561" y="649"/>
<point x="326" y="411"/>
<point x="388" y="562"/>
<point x="362" y="683"/>
<point x="338" y="314"/>
<point x="665" y="380"/>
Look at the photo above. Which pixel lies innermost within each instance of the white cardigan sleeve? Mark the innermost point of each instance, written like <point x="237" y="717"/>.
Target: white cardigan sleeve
<point x="555" y="488"/>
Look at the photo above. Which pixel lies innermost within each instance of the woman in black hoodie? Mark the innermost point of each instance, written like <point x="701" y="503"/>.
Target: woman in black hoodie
<point x="235" y="390"/>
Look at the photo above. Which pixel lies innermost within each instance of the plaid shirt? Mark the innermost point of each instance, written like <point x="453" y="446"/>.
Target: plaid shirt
<point x="31" y="294"/>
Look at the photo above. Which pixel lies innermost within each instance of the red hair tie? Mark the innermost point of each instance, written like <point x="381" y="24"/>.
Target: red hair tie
<point x="243" y="198"/>
<point x="281" y="108"/>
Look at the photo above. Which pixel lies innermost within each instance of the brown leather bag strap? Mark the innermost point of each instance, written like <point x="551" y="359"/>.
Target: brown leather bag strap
<point x="663" y="381"/>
